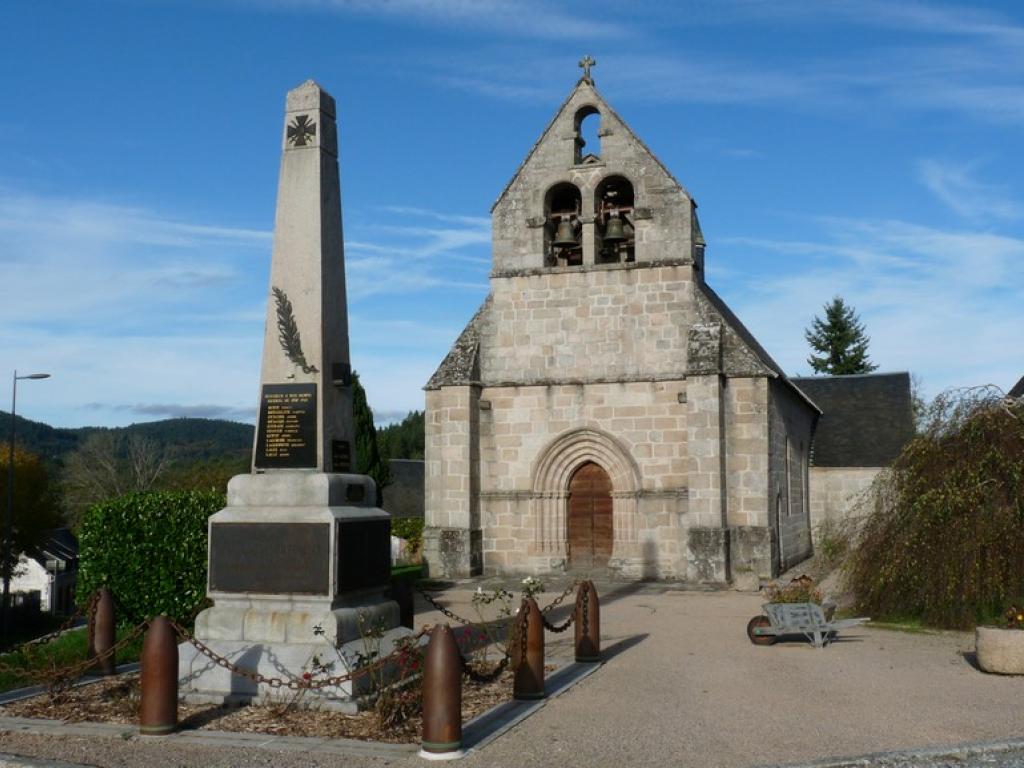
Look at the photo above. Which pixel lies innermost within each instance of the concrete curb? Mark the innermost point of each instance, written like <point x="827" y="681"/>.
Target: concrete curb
<point x="894" y="757"/>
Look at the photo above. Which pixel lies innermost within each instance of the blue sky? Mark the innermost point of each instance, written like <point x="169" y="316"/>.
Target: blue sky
<point x="866" y="149"/>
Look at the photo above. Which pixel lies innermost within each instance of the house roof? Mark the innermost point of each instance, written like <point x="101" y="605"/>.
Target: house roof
<point x="866" y="419"/>
<point x="461" y="365"/>
<point x="1018" y="389"/>
<point x="58" y="544"/>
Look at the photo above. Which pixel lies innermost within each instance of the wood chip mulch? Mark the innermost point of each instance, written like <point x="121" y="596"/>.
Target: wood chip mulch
<point x="116" y="700"/>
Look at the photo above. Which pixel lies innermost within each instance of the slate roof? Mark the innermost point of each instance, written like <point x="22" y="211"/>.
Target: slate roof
<point x="1018" y="389"/>
<point x="58" y="544"/>
<point x="866" y="418"/>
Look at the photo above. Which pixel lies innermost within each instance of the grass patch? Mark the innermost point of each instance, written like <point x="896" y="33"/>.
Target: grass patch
<point x="911" y="626"/>
<point x="407" y="571"/>
<point x="39" y="662"/>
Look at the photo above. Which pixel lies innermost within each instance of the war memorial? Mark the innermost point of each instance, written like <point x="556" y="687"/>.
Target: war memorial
<point x="300" y="557"/>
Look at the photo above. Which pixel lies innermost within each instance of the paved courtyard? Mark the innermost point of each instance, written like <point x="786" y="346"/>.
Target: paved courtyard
<point x="682" y="686"/>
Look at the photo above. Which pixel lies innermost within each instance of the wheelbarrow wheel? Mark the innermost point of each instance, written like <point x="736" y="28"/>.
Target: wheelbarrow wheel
<point x="756" y="623"/>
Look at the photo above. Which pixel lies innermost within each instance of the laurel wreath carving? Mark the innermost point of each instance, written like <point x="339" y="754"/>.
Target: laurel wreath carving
<point x="288" y="332"/>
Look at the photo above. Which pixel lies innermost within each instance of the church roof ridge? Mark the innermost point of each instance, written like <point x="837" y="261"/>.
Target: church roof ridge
<point x="587" y="83"/>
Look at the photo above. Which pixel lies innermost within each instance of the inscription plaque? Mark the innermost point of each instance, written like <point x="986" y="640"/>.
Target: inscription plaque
<point x="364" y="554"/>
<point x="287" y="427"/>
<point x="270" y="558"/>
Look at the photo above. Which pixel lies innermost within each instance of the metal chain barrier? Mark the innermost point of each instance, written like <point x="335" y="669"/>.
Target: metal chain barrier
<point x="300" y="684"/>
<point x="62" y="679"/>
<point x="558" y="600"/>
<point x="484" y="677"/>
<point x="438" y="607"/>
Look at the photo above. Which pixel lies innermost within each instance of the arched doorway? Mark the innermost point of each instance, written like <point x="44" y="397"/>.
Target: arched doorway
<point x="589" y="517"/>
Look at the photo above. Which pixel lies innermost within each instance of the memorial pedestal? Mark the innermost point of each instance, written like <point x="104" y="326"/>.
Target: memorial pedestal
<point x="298" y="569"/>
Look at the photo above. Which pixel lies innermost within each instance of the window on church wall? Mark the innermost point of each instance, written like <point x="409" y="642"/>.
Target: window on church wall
<point x="588" y="138"/>
<point x="563" y="244"/>
<point x="613" y="216"/>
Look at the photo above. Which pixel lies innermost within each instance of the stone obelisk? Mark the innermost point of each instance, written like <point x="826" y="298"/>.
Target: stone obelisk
<point x="299" y="560"/>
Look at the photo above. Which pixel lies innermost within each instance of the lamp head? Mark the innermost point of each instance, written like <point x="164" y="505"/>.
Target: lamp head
<point x="36" y="376"/>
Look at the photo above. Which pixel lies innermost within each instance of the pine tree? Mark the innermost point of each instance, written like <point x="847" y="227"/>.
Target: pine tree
<point x="368" y="457"/>
<point x="840" y="340"/>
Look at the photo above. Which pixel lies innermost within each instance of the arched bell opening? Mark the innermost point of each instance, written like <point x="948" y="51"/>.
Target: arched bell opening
<point x="563" y="244"/>
<point x="589" y="517"/>
<point x="613" y="214"/>
<point x="588" y="136"/>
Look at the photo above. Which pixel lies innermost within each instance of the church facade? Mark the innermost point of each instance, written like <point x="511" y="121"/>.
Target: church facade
<point x="604" y="409"/>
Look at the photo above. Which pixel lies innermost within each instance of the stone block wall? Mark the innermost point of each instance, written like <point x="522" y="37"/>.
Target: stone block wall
<point x="835" y="492"/>
<point x="522" y="429"/>
<point x="451" y="539"/>
<point x="611" y="323"/>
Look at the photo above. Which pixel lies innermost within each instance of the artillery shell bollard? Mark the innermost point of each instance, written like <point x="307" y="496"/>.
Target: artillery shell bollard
<point x="102" y="630"/>
<point x="442" y="697"/>
<point x="158" y="708"/>
<point x="528" y="655"/>
<point x="588" y="624"/>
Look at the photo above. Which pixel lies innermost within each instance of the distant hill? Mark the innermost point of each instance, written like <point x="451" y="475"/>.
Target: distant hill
<point x="188" y="439"/>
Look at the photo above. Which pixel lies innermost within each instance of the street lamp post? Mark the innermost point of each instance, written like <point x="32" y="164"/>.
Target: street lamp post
<point x="9" y="520"/>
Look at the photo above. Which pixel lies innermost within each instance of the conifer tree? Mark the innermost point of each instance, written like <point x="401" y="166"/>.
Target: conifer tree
<point x="368" y="457"/>
<point x="840" y="341"/>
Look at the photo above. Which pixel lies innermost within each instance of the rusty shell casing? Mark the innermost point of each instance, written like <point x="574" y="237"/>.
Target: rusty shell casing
<point x="587" y="623"/>
<point x="102" y="633"/>
<point x="158" y="708"/>
<point x="528" y="682"/>
<point x="442" y="693"/>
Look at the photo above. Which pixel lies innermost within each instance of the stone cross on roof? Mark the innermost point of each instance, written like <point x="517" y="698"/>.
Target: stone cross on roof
<point x="585" y="64"/>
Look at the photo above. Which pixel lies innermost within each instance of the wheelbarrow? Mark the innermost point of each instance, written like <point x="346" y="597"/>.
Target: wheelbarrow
<point x="807" y="619"/>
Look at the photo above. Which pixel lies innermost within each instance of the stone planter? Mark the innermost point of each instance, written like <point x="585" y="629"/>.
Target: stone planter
<point x="1000" y="651"/>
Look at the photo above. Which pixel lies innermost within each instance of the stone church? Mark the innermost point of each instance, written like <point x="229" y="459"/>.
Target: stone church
<point x="604" y="409"/>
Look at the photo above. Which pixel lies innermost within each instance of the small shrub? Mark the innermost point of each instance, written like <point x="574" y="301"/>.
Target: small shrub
<point x="1014" y="617"/>
<point x="800" y="590"/>
<point x="410" y="529"/>
<point x="149" y="549"/>
<point x="833" y="539"/>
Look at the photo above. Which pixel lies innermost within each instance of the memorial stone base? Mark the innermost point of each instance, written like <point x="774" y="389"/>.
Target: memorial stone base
<point x="299" y="568"/>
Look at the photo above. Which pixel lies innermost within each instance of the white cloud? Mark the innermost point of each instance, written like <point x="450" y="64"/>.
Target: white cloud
<point x="531" y="18"/>
<point x="958" y="187"/>
<point x="945" y="304"/>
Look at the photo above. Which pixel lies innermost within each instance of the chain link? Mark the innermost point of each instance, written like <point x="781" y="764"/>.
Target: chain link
<point x="484" y="677"/>
<point x="437" y="606"/>
<point x="299" y="684"/>
<point x="558" y="600"/>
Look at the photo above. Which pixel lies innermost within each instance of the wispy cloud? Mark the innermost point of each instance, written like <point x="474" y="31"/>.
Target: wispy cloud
<point x="531" y="18"/>
<point x="958" y="187"/>
<point x="180" y="411"/>
<point x="943" y="303"/>
<point x="947" y="58"/>
<point x="430" y="250"/>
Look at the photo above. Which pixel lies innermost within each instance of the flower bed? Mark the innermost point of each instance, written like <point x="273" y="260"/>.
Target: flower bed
<point x="116" y="700"/>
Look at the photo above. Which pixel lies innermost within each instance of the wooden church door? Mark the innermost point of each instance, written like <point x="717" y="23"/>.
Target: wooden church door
<point x="590" y="517"/>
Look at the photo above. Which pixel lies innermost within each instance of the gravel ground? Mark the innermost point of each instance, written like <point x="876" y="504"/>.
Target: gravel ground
<point x="683" y="686"/>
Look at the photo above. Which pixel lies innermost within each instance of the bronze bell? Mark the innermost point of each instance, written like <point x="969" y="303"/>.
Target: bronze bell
<point x="613" y="232"/>
<point x="565" y="234"/>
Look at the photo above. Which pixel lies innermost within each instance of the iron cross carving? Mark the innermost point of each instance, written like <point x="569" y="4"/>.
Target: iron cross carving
<point x="301" y="131"/>
<point x="586" y="63"/>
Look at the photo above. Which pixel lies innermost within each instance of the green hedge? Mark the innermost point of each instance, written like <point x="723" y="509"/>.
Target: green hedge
<point x="149" y="549"/>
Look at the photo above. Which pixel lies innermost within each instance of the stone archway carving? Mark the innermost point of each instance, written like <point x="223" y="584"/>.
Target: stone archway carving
<point x="552" y="472"/>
